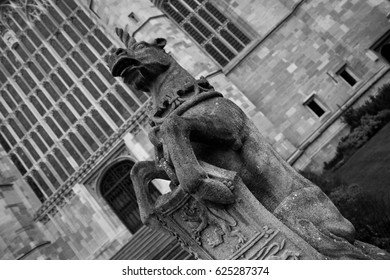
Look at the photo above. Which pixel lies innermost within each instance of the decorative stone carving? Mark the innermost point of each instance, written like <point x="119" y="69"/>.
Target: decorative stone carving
<point x="10" y="39"/>
<point x="242" y="230"/>
<point x="198" y="136"/>
<point x="31" y="8"/>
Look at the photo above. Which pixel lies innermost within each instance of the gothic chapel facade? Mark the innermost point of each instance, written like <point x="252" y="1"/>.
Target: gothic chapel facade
<point x="70" y="132"/>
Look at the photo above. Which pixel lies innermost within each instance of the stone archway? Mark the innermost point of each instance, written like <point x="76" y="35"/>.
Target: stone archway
<point x="117" y="190"/>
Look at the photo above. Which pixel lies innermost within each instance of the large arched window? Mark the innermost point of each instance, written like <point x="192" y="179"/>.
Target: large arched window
<point x="117" y="189"/>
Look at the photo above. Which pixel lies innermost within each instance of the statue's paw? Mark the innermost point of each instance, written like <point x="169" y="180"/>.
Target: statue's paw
<point x="215" y="191"/>
<point x="229" y="184"/>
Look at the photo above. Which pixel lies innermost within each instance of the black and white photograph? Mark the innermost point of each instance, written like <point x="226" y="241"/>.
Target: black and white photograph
<point x="139" y="130"/>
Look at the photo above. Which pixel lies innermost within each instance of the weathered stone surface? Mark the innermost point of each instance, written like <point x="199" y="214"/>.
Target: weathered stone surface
<point x="242" y="230"/>
<point x="192" y="123"/>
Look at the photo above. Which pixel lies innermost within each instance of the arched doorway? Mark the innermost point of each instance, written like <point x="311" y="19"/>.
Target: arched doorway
<point x="117" y="190"/>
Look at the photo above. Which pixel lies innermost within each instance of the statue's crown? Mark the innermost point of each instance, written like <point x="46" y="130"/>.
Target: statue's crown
<point x="125" y="37"/>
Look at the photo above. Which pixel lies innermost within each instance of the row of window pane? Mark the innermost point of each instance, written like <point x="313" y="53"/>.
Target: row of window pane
<point x="96" y="130"/>
<point x="225" y="43"/>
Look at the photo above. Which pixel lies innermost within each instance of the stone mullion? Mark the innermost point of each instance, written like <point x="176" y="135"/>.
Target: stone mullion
<point x="62" y="114"/>
<point x="48" y="96"/>
<point x="47" y="76"/>
<point x="25" y="101"/>
<point x="71" y="160"/>
<point x="16" y="119"/>
<point x="13" y="133"/>
<point x="125" y="87"/>
<point x="73" y="110"/>
<point x="88" y="94"/>
<point x="37" y="82"/>
<point x="95" y="102"/>
<point x="92" y="49"/>
<point x="6" y="125"/>
<point x="59" y="60"/>
<point x="83" y="141"/>
<point x="43" y="176"/>
<point x="224" y="27"/>
<point x="77" y="81"/>
<point x="112" y="37"/>
<point x="70" y="106"/>
<point x="89" y="32"/>
<point x="96" y="123"/>
<point x="31" y="55"/>
<point x="106" y="117"/>
<point x="4" y="70"/>
<point x="80" y="85"/>
<point x="49" y="15"/>
<point x="208" y="39"/>
<point x="5" y="104"/>
<point x="35" y="146"/>
<point x="18" y="105"/>
<point x="19" y="58"/>
<point x="117" y="96"/>
<point x="111" y="88"/>
<point x="86" y="127"/>
<point x="56" y="89"/>
<point x="218" y="30"/>
<point x="58" y="10"/>
<point x="15" y="154"/>
<point x="27" y="154"/>
<point x="64" y="33"/>
<point x="35" y="111"/>
<point x="30" y="122"/>
<point x="21" y="14"/>
<point x="28" y="24"/>
<point x="67" y="138"/>
<point x="53" y="170"/>
<point x="114" y="109"/>
<point x="75" y="29"/>
<point x="100" y="75"/>
<point x="46" y="127"/>
<point x="62" y="64"/>
<point x="29" y="174"/>
<point x="196" y="13"/>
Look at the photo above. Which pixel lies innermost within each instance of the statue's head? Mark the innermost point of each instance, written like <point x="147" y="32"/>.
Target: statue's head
<point x="140" y="63"/>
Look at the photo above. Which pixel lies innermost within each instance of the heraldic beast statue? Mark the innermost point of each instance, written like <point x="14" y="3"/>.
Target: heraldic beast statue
<point x="194" y="126"/>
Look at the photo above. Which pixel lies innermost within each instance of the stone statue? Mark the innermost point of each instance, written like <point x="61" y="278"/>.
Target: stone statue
<point x="194" y="129"/>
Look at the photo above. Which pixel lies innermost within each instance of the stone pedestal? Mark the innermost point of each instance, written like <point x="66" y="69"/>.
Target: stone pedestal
<point x="243" y="230"/>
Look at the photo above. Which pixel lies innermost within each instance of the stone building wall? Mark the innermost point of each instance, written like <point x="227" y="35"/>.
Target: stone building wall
<point x="64" y="47"/>
<point x="304" y="56"/>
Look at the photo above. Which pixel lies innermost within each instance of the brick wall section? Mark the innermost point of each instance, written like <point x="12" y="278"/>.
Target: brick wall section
<point x="262" y="15"/>
<point x="293" y="62"/>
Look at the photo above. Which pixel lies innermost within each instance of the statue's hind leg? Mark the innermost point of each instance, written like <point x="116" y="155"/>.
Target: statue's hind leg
<point x="176" y="132"/>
